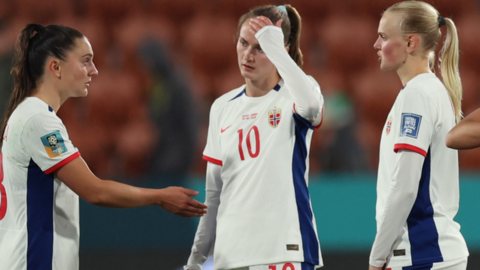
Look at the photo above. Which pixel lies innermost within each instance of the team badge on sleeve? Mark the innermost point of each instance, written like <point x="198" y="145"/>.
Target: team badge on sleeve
<point x="53" y="143"/>
<point x="274" y="117"/>
<point x="388" y="128"/>
<point x="410" y="125"/>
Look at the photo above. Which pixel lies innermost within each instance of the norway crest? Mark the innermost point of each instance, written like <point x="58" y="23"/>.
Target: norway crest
<point x="389" y="125"/>
<point x="274" y="117"/>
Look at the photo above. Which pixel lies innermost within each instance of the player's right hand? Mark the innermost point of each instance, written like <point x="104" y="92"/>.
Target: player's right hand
<point x="177" y="200"/>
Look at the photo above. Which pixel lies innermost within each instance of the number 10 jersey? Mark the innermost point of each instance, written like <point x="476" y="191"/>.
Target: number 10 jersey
<point x="265" y="215"/>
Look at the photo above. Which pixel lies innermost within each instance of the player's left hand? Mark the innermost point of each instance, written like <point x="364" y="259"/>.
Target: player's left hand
<point x="259" y="22"/>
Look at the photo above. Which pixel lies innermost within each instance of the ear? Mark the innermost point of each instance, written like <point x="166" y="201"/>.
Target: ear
<point x="53" y="66"/>
<point x="413" y="42"/>
<point x="287" y="48"/>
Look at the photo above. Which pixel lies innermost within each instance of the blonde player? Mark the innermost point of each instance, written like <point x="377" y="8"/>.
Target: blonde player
<point x="417" y="188"/>
<point x="42" y="172"/>
<point x="260" y="216"/>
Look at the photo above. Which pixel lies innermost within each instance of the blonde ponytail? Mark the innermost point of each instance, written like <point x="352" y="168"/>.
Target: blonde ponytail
<point x="449" y="56"/>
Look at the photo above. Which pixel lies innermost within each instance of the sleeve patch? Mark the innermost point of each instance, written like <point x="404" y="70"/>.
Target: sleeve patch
<point x="54" y="144"/>
<point x="410" y="125"/>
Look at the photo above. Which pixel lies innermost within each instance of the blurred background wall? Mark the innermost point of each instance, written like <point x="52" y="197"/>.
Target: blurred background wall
<point x="162" y="64"/>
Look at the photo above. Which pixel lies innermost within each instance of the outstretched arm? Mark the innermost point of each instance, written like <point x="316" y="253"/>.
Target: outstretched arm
<point x="308" y="100"/>
<point x="466" y="134"/>
<point x="78" y="177"/>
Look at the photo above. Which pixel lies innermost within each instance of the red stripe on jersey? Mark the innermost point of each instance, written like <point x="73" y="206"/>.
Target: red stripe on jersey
<point x="63" y="163"/>
<point x="212" y="160"/>
<point x="294" y="108"/>
<point x="399" y="146"/>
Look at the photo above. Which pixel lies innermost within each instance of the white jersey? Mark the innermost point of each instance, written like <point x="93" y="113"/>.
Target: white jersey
<point x="265" y="215"/>
<point x="419" y="121"/>
<point x="39" y="225"/>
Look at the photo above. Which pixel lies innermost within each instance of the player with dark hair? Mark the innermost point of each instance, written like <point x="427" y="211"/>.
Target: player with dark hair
<point x="260" y="215"/>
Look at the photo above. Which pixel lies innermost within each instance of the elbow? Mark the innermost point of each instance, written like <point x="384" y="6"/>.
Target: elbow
<point x="94" y="199"/>
<point x="310" y="112"/>
<point x="450" y="141"/>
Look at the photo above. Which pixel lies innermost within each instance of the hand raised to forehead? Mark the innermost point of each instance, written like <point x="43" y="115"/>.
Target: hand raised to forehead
<point x="261" y="21"/>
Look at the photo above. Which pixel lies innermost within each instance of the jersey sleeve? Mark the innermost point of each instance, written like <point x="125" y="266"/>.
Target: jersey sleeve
<point x="46" y="140"/>
<point x="304" y="90"/>
<point x="416" y="117"/>
<point x="212" y="152"/>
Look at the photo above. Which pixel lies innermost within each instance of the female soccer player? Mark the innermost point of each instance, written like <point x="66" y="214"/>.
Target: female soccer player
<point x="42" y="172"/>
<point x="257" y="151"/>
<point x="417" y="188"/>
<point x="466" y="134"/>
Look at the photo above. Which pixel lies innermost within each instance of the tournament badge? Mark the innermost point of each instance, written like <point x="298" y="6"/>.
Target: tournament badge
<point x="54" y="145"/>
<point x="410" y="125"/>
<point x="274" y="117"/>
<point x="389" y="125"/>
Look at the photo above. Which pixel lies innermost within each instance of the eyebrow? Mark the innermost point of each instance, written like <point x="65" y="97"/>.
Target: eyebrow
<point x="88" y="54"/>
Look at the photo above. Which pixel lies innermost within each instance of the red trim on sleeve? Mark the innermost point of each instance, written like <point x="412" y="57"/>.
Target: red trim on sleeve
<point x="212" y="160"/>
<point x="63" y="163"/>
<point x="294" y="108"/>
<point x="409" y="147"/>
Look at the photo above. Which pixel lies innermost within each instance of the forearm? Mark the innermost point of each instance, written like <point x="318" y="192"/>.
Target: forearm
<point x="465" y="135"/>
<point x="400" y="200"/>
<point x="117" y="195"/>
<point x="304" y="92"/>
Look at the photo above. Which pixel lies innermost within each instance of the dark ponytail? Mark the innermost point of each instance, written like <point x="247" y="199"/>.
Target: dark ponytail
<point x="291" y="26"/>
<point x="33" y="46"/>
<point x="294" y="38"/>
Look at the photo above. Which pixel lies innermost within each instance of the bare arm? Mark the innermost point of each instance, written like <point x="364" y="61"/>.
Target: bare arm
<point x="466" y="134"/>
<point x="78" y="177"/>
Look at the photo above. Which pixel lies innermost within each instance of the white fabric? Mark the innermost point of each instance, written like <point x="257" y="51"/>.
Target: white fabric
<point x="307" y="97"/>
<point x="258" y="215"/>
<point x="37" y="202"/>
<point x="460" y="264"/>
<point x="400" y="199"/>
<point x="419" y="121"/>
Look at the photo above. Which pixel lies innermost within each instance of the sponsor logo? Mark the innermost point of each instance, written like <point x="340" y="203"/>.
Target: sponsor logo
<point x="274" y="117"/>
<point x="223" y="129"/>
<point x="410" y="125"/>
<point x="53" y="143"/>
<point x="399" y="252"/>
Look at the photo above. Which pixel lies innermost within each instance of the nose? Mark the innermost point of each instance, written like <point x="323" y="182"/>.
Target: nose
<point x="93" y="71"/>
<point x="248" y="55"/>
<point x="376" y="45"/>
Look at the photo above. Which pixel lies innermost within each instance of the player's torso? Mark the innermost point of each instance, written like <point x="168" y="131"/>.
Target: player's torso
<point x="258" y="200"/>
<point x="40" y="211"/>
<point x="440" y="193"/>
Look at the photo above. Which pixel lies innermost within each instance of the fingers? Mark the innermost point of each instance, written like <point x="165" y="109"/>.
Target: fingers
<point x="259" y="22"/>
<point x="190" y="192"/>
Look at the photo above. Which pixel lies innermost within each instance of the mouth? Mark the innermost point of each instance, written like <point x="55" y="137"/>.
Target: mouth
<point x="247" y="67"/>
<point x="379" y="56"/>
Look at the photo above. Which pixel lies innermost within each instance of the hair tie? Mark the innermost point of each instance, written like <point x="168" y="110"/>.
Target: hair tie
<point x="441" y="21"/>
<point x="38" y="29"/>
<point x="283" y="8"/>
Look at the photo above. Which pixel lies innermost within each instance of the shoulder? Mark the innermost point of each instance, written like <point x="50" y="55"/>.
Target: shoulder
<point x="424" y="86"/>
<point x="313" y="80"/>
<point x="224" y="99"/>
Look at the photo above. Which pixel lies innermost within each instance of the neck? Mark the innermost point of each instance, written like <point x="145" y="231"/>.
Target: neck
<point x="261" y="87"/>
<point x="413" y="67"/>
<point x="50" y="95"/>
